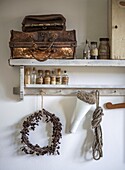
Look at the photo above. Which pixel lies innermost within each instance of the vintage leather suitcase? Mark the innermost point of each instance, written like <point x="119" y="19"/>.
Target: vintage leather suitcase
<point x="43" y="22"/>
<point x="43" y="45"/>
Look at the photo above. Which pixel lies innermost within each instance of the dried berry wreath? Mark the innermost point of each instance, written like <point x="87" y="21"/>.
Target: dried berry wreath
<point x="30" y="124"/>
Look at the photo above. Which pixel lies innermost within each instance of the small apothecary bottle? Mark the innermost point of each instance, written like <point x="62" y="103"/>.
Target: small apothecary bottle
<point x="27" y="77"/>
<point x="94" y="50"/>
<point x="39" y="79"/>
<point x="104" y="49"/>
<point x="47" y="77"/>
<point x="65" y="78"/>
<point x="53" y="78"/>
<point x="58" y="76"/>
<point x="86" y="51"/>
<point x="33" y="76"/>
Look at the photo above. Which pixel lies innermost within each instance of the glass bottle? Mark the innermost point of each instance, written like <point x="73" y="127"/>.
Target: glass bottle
<point x="86" y="51"/>
<point x="58" y="76"/>
<point x="47" y="77"/>
<point x="53" y="78"/>
<point x="65" y="78"/>
<point x="104" y="49"/>
<point x="94" y="50"/>
<point x="27" y="76"/>
<point x="39" y="79"/>
<point x="33" y="76"/>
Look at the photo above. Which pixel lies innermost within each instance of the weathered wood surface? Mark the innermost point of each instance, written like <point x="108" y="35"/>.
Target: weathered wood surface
<point x="68" y="63"/>
<point x="118" y="29"/>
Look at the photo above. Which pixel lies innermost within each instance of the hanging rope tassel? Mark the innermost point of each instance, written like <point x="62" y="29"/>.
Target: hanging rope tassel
<point x="98" y="141"/>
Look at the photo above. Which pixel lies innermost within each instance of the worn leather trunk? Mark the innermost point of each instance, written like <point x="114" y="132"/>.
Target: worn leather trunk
<point x="43" y="45"/>
<point x="43" y="22"/>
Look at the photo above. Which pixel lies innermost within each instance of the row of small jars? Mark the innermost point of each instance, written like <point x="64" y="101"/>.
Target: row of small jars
<point x="33" y="76"/>
<point x="92" y="51"/>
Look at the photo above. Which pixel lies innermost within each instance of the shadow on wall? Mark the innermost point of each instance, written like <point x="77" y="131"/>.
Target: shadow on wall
<point x="68" y="109"/>
<point x="44" y="134"/>
<point x="9" y="76"/>
<point x="41" y="135"/>
<point x="86" y="150"/>
<point x="14" y="137"/>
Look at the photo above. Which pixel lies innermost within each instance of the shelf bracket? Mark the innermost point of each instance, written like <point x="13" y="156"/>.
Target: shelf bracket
<point x="21" y="89"/>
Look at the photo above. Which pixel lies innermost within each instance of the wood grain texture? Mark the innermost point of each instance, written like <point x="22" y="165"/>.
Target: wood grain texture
<point x="122" y="3"/>
<point x="118" y="30"/>
<point x="109" y="105"/>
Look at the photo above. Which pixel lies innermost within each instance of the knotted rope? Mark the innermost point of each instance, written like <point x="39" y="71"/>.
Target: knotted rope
<point x="97" y="118"/>
<point x="88" y="97"/>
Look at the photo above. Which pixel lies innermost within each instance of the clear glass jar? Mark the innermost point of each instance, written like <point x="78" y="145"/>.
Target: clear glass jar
<point x="104" y="48"/>
<point x="65" y="78"/>
<point x="33" y="76"/>
<point x="86" y="51"/>
<point x="94" y="50"/>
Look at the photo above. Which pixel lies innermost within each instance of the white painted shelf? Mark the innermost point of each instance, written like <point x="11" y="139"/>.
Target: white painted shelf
<point x="65" y="89"/>
<point x="68" y="63"/>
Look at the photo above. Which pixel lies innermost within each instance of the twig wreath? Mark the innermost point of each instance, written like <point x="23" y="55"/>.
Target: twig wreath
<point x="31" y="123"/>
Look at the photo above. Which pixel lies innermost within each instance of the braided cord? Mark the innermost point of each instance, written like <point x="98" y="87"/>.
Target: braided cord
<point x="98" y="141"/>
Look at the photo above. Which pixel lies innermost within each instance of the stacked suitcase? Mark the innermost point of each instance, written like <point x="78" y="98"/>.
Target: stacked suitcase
<point x="43" y="37"/>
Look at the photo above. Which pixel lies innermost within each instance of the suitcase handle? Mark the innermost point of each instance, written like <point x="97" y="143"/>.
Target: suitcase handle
<point x="46" y="53"/>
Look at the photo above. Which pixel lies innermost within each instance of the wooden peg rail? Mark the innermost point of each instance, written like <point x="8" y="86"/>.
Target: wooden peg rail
<point x="109" y="105"/>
